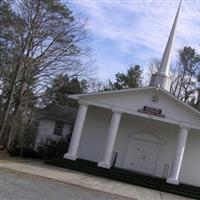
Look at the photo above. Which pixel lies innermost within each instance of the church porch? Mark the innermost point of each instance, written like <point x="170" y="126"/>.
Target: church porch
<point x="136" y="143"/>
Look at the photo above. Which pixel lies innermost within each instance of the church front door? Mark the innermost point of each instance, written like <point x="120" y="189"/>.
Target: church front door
<point x="141" y="156"/>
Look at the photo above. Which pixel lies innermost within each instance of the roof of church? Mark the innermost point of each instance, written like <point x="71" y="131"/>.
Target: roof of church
<point x="81" y="96"/>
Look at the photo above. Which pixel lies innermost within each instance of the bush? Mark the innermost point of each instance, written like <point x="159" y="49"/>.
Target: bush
<point x="54" y="149"/>
<point x="50" y="150"/>
<point x="27" y="152"/>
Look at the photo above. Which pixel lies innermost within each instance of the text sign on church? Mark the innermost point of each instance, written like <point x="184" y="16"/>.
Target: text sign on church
<point x="152" y="111"/>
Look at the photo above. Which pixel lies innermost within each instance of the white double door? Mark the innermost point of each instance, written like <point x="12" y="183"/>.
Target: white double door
<point x="141" y="156"/>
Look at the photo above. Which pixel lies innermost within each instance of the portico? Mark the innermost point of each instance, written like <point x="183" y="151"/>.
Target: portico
<point x="115" y="123"/>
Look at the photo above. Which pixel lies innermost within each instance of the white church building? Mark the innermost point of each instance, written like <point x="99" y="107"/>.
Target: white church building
<point x="150" y="130"/>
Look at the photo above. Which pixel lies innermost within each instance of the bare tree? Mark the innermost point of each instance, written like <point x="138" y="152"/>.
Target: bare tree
<point x="186" y="72"/>
<point x="48" y="40"/>
<point x="153" y="68"/>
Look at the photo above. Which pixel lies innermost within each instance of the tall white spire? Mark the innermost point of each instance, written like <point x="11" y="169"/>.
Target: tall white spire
<point x="162" y="77"/>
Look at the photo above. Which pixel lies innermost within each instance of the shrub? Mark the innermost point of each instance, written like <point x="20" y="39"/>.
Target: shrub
<point x="27" y="152"/>
<point x="54" y="149"/>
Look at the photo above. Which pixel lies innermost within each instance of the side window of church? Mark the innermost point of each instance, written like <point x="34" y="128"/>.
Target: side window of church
<point x="58" y="128"/>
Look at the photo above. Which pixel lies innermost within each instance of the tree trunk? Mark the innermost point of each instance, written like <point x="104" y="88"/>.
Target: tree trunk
<point x="9" y="103"/>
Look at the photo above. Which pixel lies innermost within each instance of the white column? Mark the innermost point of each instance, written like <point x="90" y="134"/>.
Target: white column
<point x="112" y="134"/>
<point x="77" y="131"/>
<point x="178" y="156"/>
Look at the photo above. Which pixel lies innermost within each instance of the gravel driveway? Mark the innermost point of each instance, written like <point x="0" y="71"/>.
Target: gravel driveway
<point x="17" y="186"/>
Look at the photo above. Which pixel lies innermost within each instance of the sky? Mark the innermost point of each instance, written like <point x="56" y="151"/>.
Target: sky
<point x="125" y="32"/>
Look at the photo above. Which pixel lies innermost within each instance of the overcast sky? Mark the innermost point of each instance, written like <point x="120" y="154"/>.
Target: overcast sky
<point x="128" y="32"/>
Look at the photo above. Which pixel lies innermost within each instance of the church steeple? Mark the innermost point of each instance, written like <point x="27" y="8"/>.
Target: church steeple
<point x="162" y="78"/>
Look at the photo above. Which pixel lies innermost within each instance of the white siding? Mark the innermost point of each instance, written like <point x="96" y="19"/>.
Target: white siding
<point x="46" y="129"/>
<point x="94" y="134"/>
<point x="190" y="171"/>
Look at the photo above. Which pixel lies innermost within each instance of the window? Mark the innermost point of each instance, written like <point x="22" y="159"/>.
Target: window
<point x="58" y="128"/>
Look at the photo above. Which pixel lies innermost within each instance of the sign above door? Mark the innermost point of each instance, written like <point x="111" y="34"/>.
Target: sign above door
<point x="152" y="111"/>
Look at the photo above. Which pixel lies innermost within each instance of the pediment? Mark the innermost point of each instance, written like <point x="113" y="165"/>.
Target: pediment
<point x="148" y="136"/>
<point x="134" y="100"/>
